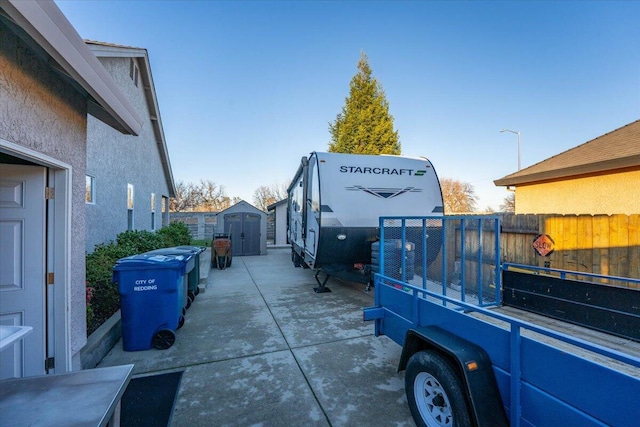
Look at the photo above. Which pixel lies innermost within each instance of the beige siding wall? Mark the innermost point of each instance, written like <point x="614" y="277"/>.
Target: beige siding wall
<point x="607" y="194"/>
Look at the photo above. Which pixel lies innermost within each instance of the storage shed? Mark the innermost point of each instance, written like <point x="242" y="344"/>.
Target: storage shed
<point x="247" y="226"/>
<point x="279" y="212"/>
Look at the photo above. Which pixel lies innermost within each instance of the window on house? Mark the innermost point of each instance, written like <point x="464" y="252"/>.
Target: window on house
<point x="129" y="206"/>
<point x="133" y="71"/>
<point x="153" y="211"/>
<point x="165" y="213"/>
<point x="90" y="190"/>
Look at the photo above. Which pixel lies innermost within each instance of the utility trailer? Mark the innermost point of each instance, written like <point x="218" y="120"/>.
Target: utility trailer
<point x="470" y="360"/>
<point x="335" y="201"/>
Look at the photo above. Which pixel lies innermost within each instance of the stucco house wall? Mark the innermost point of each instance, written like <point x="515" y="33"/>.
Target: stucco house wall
<point x="49" y="83"/>
<point x="595" y="194"/>
<point x="42" y="112"/>
<point x="115" y="160"/>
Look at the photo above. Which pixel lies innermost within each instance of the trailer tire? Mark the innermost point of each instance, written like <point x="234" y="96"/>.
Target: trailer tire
<point x="435" y="392"/>
<point x="296" y="259"/>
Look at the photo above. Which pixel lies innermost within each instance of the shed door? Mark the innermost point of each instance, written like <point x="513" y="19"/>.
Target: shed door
<point x="244" y="229"/>
<point x="22" y="266"/>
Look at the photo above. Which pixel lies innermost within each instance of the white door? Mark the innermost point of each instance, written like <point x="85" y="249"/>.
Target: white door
<point x="22" y="266"/>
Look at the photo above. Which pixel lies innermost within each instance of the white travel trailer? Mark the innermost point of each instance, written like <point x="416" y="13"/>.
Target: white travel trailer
<point x="335" y="202"/>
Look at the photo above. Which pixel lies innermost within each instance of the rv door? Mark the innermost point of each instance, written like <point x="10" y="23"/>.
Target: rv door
<point x="312" y="208"/>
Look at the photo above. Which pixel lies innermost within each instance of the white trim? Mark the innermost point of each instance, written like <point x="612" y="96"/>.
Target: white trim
<point x="63" y="173"/>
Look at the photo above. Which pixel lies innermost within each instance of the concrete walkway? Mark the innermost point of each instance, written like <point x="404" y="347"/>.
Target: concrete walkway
<point x="259" y="347"/>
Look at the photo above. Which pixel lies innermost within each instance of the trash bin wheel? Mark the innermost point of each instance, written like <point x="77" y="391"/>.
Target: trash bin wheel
<point x="189" y="301"/>
<point x="163" y="339"/>
<point x="192" y="295"/>
<point x="197" y="290"/>
<point x="181" y="322"/>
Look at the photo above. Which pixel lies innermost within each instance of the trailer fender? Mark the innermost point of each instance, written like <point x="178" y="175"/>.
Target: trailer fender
<point x="473" y="365"/>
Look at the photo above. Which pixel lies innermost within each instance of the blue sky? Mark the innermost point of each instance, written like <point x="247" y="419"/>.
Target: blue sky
<point x="247" y="88"/>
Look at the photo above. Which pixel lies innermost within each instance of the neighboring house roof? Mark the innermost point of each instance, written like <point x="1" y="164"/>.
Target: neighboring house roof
<point x="101" y="49"/>
<point x="272" y="206"/>
<point x="44" y="28"/>
<point x="617" y="150"/>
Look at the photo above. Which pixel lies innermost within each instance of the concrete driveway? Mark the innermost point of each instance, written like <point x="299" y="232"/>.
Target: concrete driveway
<point x="260" y="348"/>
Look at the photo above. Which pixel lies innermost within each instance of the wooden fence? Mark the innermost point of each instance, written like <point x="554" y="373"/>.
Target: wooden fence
<point x="600" y="244"/>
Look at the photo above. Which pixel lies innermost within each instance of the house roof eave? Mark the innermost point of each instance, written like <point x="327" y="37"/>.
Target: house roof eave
<point x="47" y="26"/>
<point x="610" y="166"/>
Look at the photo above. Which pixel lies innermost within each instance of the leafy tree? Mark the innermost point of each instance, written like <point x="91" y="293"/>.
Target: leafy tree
<point x="268" y="195"/>
<point x="509" y="203"/>
<point x="458" y="196"/>
<point x="364" y="126"/>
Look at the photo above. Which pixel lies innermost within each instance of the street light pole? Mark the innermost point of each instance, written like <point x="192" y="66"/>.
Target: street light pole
<point x="517" y="133"/>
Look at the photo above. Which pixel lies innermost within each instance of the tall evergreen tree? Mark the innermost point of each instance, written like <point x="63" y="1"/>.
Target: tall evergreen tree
<point x="364" y="126"/>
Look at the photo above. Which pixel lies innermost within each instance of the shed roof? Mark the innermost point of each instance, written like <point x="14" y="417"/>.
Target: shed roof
<point x="615" y="151"/>
<point x="42" y="25"/>
<point x="272" y="206"/>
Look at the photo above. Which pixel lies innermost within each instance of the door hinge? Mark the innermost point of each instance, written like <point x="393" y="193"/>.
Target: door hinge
<point x="50" y="278"/>
<point x="49" y="363"/>
<point x="48" y="193"/>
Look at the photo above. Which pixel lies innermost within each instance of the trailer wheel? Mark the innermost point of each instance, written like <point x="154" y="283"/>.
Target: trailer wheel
<point x="295" y="258"/>
<point x="435" y="392"/>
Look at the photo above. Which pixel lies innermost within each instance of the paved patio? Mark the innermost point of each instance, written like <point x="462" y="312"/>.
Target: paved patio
<point x="259" y="347"/>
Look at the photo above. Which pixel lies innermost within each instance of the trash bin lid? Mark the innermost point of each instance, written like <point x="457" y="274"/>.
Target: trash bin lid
<point x="196" y="249"/>
<point x="189" y="256"/>
<point x="155" y="261"/>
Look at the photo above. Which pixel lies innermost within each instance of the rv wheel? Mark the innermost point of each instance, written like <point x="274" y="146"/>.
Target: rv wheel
<point x="435" y="392"/>
<point x="295" y="258"/>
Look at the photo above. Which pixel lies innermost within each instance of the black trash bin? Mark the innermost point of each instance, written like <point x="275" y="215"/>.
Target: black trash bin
<point x="150" y="289"/>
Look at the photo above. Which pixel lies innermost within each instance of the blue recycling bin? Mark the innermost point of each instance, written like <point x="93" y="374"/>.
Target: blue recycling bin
<point x="190" y="267"/>
<point x="150" y="292"/>
<point x="194" y="275"/>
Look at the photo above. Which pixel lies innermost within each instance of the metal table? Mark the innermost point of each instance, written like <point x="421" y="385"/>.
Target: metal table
<point x="81" y="398"/>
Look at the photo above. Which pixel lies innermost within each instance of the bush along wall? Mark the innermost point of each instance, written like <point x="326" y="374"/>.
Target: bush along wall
<point x="103" y="298"/>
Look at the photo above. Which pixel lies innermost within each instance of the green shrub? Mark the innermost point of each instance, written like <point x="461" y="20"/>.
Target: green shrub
<point x="175" y="234"/>
<point x="105" y="298"/>
<point x="140" y="241"/>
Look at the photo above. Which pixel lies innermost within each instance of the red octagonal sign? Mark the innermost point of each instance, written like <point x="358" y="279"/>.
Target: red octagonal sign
<point x="543" y="244"/>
